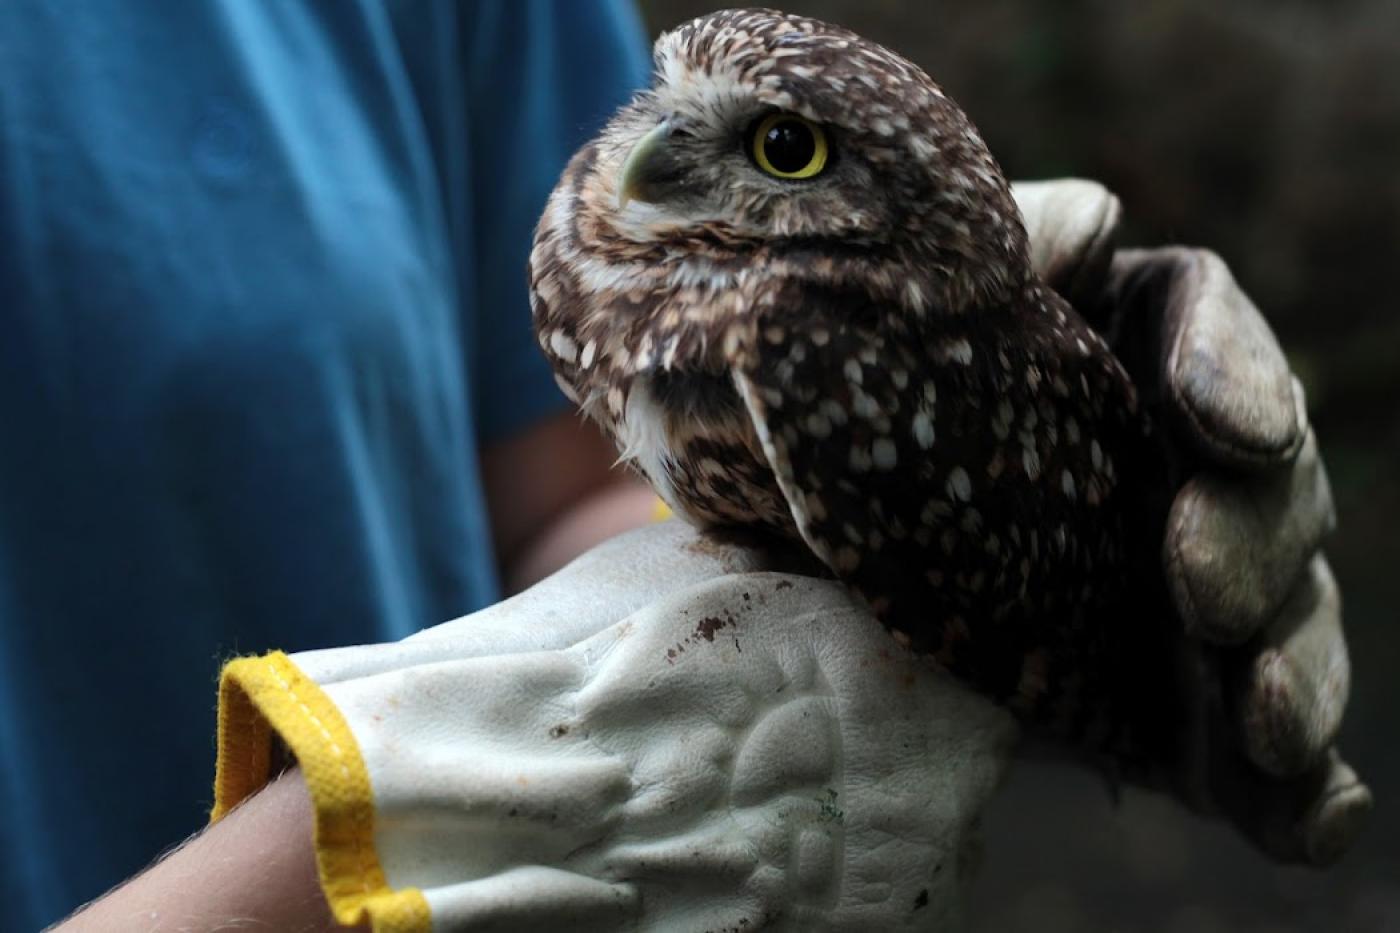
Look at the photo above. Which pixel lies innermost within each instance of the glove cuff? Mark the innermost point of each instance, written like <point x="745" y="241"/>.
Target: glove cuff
<point x="267" y="697"/>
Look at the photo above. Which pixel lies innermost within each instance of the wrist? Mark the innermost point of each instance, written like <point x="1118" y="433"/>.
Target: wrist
<point x="255" y="867"/>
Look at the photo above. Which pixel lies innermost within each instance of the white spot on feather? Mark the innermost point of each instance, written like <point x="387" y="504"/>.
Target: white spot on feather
<point x="1067" y="483"/>
<point x="864" y="405"/>
<point x="563" y="346"/>
<point x="1030" y="462"/>
<point x="641" y="434"/>
<point x="884" y="453"/>
<point x="834" y="412"/>
<point x="959" y="351"/>
<point x="923" y="430"/>
<point x="959" y="484"/>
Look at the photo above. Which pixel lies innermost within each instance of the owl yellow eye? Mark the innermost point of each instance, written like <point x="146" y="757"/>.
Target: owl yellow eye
<point x="788" y="146"/>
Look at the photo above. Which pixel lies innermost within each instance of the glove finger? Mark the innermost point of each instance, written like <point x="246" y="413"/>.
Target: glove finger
<point x="1294" y="686"/>
<point x="1235" y="544"/>
<point x="1072" y="224"/>
<point x="1312" y="820"/>
<point x="1225" y="377"/>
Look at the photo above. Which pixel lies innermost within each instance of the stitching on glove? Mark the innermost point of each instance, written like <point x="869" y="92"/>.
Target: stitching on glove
<point x="357" y="814"/>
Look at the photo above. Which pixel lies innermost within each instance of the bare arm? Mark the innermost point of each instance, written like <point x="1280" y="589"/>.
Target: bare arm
<point x="553" y="493"/>
<point x="255" y="869"/>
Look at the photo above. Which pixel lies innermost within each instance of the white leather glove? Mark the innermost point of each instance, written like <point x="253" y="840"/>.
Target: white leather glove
<point x="661" y="736"/>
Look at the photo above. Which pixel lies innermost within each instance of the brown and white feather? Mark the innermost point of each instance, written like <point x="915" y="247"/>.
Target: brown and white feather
<point x="866" y="367"/>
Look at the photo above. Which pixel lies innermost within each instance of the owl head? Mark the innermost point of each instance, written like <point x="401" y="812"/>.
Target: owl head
<point x="763" y="130"/>
<point x="777" y="166"/>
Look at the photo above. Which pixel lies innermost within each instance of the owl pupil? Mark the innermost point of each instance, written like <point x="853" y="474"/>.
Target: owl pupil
<point x="789" y="146"/>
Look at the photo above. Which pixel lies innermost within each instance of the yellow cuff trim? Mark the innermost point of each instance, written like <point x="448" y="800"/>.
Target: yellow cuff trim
<point x="260" y="696"/>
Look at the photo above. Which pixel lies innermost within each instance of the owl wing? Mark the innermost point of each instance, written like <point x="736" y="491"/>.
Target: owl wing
<point x="940" y="467"/>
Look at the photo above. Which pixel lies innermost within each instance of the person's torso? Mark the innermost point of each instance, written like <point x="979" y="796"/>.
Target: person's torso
<point x="233" y="396"/>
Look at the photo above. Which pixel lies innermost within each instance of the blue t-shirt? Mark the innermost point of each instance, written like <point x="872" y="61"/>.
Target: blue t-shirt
<point x="262" y="285"/>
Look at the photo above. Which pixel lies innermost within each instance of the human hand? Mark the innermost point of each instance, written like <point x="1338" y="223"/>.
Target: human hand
<point x="1264" y="669"/>
<point x="663" y="734"/>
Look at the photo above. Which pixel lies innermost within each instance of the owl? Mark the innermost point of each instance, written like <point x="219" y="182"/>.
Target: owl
<point x="790" y="281"/>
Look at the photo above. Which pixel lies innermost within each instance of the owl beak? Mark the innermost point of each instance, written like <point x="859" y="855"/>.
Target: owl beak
<point x="652" y="170"/>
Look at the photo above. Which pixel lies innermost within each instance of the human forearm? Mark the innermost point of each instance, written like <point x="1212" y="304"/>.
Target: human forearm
<point x="255" y="868"/>
<point x="617" y="507"/>
<point x="554" y="492"/>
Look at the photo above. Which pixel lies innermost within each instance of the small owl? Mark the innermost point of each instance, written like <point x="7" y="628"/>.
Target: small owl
<point x="790" y="281"/>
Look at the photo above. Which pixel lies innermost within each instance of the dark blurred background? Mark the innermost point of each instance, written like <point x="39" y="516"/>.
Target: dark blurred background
<point x="1270" y="132"/>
